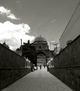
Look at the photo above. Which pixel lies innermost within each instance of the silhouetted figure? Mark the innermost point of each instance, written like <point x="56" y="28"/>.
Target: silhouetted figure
<point x="47" y="68"/>
<point x="44" y="66"/>
<point x="32" y="67"/>
<point x="40" y="66"/>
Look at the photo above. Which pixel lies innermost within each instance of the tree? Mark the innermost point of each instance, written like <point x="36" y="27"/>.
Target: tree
<point x="29" y="52"/>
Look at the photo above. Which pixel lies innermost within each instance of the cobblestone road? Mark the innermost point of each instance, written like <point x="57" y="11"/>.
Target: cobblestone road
<point x="39" y="80"/>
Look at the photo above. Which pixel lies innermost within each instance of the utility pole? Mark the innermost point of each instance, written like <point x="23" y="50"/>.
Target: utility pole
<point x="21" y="42"/>
<point x="21" y="46"/>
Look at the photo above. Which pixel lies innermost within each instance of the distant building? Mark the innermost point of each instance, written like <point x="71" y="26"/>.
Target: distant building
<point x="28" y="51"/>
<point x="42" y="50"/>
<point x="39" y="49"/>
<point x="72" y="29"/>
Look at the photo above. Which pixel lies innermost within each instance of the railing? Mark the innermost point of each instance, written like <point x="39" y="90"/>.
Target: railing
<point x="10" y="75"/>
<point x="69" y="75"/>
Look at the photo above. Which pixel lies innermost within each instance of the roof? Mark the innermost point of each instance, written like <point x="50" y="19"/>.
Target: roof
<point x="40" y="39"/>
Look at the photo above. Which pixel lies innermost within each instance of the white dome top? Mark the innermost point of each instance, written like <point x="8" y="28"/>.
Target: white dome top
<point x="40" y="39"/>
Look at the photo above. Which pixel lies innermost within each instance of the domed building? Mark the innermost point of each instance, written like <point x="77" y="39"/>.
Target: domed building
<point x="40" y="43"/>
<point x="38" y="51"/>
<point x="42" y="50"/>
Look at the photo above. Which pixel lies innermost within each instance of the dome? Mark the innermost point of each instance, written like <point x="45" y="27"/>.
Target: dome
<point x="40" y="39"/>
<point x="40" y="43"/>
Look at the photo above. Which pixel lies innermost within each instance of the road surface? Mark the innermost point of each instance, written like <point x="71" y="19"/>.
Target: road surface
<point x="39" y="80"/>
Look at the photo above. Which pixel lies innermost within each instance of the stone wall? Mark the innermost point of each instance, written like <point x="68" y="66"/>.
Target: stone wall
<point x="70" y="56"/>
<point x="67" y="65"/>
<point x="9" y="59"/>
<point x="12" y="67"/>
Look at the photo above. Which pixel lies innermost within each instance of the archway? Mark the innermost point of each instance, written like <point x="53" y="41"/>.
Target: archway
<point x="41" y="58"/>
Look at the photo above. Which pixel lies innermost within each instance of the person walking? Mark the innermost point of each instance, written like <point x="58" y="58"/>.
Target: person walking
<point x="40" y="66"/>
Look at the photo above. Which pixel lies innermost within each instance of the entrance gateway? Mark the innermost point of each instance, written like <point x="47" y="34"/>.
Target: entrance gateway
<point x="42" y="49"/>
<point x="37" y="52"/>
<point x="41" y="59"/>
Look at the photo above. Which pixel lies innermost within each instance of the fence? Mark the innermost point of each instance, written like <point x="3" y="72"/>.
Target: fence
<point x="12" y="67"/>
<point x="67" y="65"/>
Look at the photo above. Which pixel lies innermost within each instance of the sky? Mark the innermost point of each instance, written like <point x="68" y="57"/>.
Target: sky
<point x="27" y="19"/>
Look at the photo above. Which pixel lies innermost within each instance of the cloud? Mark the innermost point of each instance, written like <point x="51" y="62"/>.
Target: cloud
<point x="4" y="10"/>
<point x="12" y="33"/>
<point x="8" y="13"/>
<point x="12" y="16"/>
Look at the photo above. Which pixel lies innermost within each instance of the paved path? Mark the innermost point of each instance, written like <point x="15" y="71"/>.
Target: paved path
<point x="40" y="80"/>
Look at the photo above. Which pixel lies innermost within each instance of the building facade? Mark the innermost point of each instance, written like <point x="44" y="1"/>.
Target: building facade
<point x="42" y="50"/>
<point x="37" y="52"/>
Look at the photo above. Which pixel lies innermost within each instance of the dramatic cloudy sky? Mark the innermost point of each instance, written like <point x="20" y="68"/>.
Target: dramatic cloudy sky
<point x="26" y="19"/>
